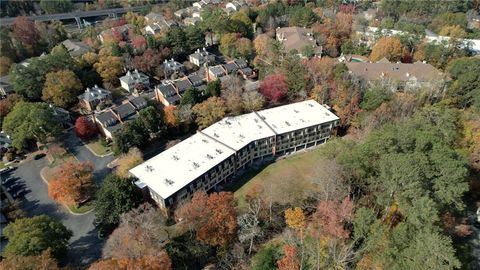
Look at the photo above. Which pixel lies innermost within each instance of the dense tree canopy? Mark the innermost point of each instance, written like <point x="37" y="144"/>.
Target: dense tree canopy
<point x="30" y="121"/>
<point x="465" y="89"/>
<point x="116" y="196"/>
<point x="28" y="81"/>
<point x="61" y="88"/>
<point x="72" y="183"/>
<point x="32" y="236"/>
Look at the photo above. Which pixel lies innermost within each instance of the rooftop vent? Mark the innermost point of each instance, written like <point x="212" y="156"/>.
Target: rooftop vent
<point x="196" y="165"/>
<point x="296" y="111"/>
<point x="176" y="158"/>
<point x="149" y="168"/>
<point x="256" y="120"/>
<point x="286" y="122"/>
<point x="205" y="141"/>
<point x="215" y="135"/>
<point x="209" y="156"/>
<point x="310" y="104"/>
<point x="168" y="182"/>
<point x="218" y="151"/>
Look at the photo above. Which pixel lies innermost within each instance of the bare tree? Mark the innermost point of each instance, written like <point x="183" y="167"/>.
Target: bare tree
<point x="249" y="224"/>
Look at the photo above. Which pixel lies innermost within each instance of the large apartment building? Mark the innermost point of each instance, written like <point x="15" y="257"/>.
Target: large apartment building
<point x="214" y="155"/>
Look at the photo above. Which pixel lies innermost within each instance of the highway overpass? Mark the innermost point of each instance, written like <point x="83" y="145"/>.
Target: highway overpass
<point x="76" y="15"/>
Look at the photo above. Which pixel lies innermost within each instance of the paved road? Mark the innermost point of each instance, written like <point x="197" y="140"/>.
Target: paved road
<point x="81" y="152"/>
<point x="85" y="247"/>
<point x="73" y="15"/>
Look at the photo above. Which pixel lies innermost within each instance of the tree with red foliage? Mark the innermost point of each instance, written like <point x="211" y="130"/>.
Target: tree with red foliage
<point x="161" y="261"/>
<point x="72" y="183"/>
<point x="274" y="87"/>
<point x="139" y="42"/>
<point x="85" y="128"/>
<point x="117" y="34"/>
<point x="24" y="31"/>
<point x="150" y="60"/>
<point x="290" y="260"/>
<point x="331" y="216"/>
<point x="213" y="217"/>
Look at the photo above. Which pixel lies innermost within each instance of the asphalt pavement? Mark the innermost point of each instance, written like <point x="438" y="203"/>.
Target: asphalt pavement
<point x="85" y="246"/>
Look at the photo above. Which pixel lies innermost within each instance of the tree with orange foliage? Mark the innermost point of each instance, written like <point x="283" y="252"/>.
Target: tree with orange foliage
<point x="73" y="183"/>
<point x="388" y="47"/>
<point x="295" y="218"/>
<point x="331" y="215"/>
<point x="290" y="260"/>
<point x="213" y="219"/>
<point x="170" y="117"/>
<point x="160" y="261"/>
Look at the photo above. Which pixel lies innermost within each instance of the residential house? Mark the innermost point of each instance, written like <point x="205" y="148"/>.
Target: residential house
<point x="138" y="102"/>
<point x="122" y="30"/>
<point x="215" y="72"/>
<point x="153" y="17"/>
<point x="213" y="156"/>
<point x="171" y="67"/>
<point x="211" y="39"/>
<point x="62" y="116"/>
<point x="181" y="85"/>
<point x="181" y="13"/>
<point x="108" y="123"/>
<point x="5" y="142"/>
<point x="197" y="82"/>
<point x="199" y="5"/>
<point x="473" y="20"/>
<point x="399" y="76"/>
<point x="234" y="6"/>
<point x="167" y="94"/>
<point x="94" y="96"/>
<point x="200" y="57"/>
<point x="76" y="48"/>
<point x="6" y="87"/>
<point x="299" y="39"/>
<point x="111" y="120"/>
<point x="191" y="21"/>
<point x="133" y="79"/>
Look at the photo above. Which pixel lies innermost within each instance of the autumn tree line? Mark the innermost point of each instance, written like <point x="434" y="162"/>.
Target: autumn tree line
<point x="388" y="195"/>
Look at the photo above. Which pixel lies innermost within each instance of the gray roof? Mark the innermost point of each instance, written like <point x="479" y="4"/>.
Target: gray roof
<point x="183" y="85"/>
<point x="217" y="70"/>
<point x="94" y="93"/>
<point x="107" y="118"/>
<point x="134" y="76"/>
<point x="5" y="84"/>
<point x="230" y="67"/>
<point x="138" y="102"/>
<point x="241" y="63"/>
<point x="195" y="79"/>
<point x="76" y="48"/>
<point x="114" y="128"/>
<point x="125" y="110"/>
<point x="167" y="90"/>
<point x="247" y="71"/>
<point x="154" y="17"/>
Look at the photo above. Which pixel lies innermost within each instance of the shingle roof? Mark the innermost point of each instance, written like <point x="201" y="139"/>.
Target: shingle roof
<point x="94" y="93"/>
<point x="195" y="79"/>
<point x="182" y="85"/>
<point x="107" y="118"/>
<point x="396" y="71"/>
<point x="138" y="102"/>
<point x="230" y="67"/>
<point x="125" y="110"/>
<point x="217" y="70"/>
<point x="241" y="63"/>
<point x="296" y="38"/>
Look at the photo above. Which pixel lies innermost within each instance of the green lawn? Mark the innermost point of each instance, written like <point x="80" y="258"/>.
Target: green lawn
<point x="293" y="171"/>
<point x="82" y="209"/>
<point x="97" y="147"/>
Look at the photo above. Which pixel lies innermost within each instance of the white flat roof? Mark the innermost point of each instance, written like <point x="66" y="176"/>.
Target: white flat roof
<point x="176" y="167"/>
<point x="296" y="116"/>
<point x="239" y="131"/>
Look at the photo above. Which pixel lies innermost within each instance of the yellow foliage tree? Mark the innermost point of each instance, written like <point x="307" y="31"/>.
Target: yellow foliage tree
<point x="128" y="161"/>
<point x="109" y="68"/>
<point x="209" y="111"/>
<point x="453" y="31"/>
<point x="295" y="218"/>
<point x="388" y="47"/>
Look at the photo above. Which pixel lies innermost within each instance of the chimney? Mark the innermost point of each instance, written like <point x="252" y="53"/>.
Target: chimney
<point x="95" y="86"/>
<point x="128" y="73"/>
<point x="408" y="74"/>
<point x="88" y="89"/>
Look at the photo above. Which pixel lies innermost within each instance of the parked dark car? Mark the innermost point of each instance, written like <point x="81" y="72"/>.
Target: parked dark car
<point x="39" y="156"/>
<point x="7" y="181"/>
